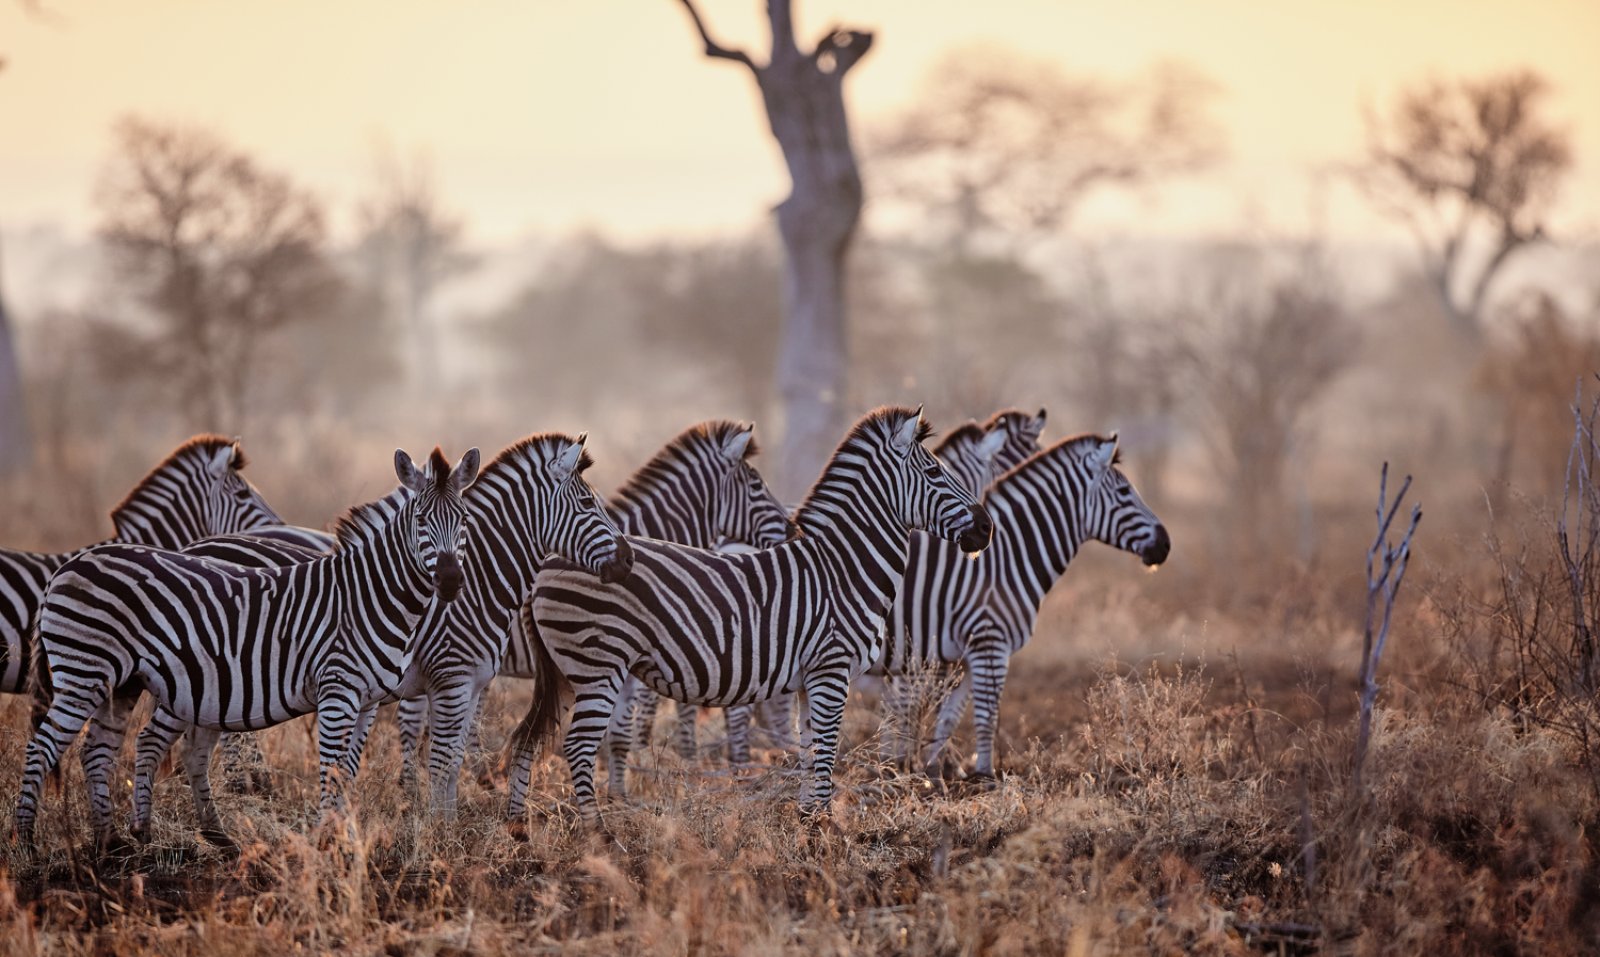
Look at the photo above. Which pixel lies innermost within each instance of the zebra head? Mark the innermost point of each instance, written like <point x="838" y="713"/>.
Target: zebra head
<point x="745" y="510"/>
<point x="438" y="513"/>
<point x="1115" y="513"/>
<point x="930" y="499"/>
<point x="576" y="524"/>
<point x="232" y="503"/>
<point x="1021" y="432"/>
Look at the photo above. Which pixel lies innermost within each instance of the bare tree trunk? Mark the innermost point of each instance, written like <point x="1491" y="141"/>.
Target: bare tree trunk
<point x="16" y="445"/>
<point x="804" y="97"/>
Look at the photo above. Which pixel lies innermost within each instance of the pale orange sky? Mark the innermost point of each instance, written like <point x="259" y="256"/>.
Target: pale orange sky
<point x="546" y="115"/>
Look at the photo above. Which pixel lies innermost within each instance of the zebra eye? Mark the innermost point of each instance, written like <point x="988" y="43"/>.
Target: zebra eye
<point x="586" y="501"/>
<point x="931" y="471"/>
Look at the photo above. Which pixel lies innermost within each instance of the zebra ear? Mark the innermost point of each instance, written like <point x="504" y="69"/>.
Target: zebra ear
<point x="567" y="462"/>
<point x="222" y="460"/>
<point x="990" y="444"/>
<point x="1104" y="454"/>
<point x="407" y="472"/>
<point x="466" y="470"/>
<point x="733" y="449"/>
<point x="906" y="435"/>
<point x="1038" y="424"/>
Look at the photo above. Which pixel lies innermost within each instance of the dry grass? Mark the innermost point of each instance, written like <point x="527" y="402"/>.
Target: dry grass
<point x="1158" y="804"/>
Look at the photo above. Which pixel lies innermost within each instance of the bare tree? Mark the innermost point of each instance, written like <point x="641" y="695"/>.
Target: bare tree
<point x="1001" y="146"/>
<point x="219" y="251"/>
<point x="409" y="245"/>
<point x="1471" y="167"/>
<point x="804" y="96"/>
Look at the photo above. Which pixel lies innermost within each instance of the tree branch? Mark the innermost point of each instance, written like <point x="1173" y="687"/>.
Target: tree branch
<point x="846" y="47"/>
<point x="780" y="15"/>
<point x="713" y="49"/>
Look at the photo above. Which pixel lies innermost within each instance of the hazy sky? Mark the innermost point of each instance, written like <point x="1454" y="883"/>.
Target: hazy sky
<point x="545" y="115"/>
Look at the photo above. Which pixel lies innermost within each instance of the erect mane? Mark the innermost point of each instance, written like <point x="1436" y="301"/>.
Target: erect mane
<point x="680" y="452"/>
<point x="361" y="524"/>
<point x="873" y="425"/>
<point x="998" y="417"/>
<point x="1073" y="445"/>
<point x="968" y="432"/>
<point x="543" y="446"/>
<point x="199" y="447"/>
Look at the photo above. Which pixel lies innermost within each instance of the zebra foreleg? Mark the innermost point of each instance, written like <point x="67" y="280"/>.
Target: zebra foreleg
<point x="592" y="708"/>
<point x="411" y="715"/>
<point x="150" y="749"/>
<point x="99" y="755"/>
<point x="987" y="665"/>
<point x="950" y="712"/>
<point x="338" y="711"/>
<point x="619" y="737"/>
<point x="69" y="711"/>
<point x="451" y="715"/>
<point x="244" y="767"/>
<point x="683" y="733"/>
<point x="899" y="730"/>
<point x="350" y="764"/>
<point x="777" y="717"/>
<point x="197" y="764"/>
<point x="826" y="690"/>
<point x="738" y="718"/>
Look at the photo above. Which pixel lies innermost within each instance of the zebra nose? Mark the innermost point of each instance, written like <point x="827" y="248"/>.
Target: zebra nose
<point x="447" y="577"/>
<point x="976" y="537"/>
<point x="620" y="564"/>
<point x="1157" y="551"/>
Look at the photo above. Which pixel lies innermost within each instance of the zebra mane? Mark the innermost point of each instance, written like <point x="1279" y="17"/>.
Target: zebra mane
<point x="362" y="524"/>
<point x="199" y="448"/>
<point x="969" y="432"/>
<point x="678" y="455"/>
<point x="873" y="428"/>
<point x="998" y="417"/>
<point x="1072" y="446"/>
<point x="541" y="447"/>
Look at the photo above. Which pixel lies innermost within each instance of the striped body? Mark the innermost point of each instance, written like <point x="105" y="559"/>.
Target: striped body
<point x="720" y="629"/>
<point x="974" y="614"/>
<point x="195" y="492"/>
<point x="224" y="647"/>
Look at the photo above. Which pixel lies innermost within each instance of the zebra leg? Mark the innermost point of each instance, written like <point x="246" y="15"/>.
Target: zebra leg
<point x="197" y="764"/>
<point x="244" y="767"/>
<point x="412" y="714"/>
<point x="154" y="741"/>
<point x="683" y="737"/>
<point x="350" y="764"/>
<point x="987" y="665"/>
<point x="453" y="710"/>
<point x="899" y="730"/>
<point x="69" y="711"/>
<point x="826" y="690"/>
<point x="641" y="704"/>
<point x="950" y="712"/>
<point x="777" y="716"/>
<point x="592" y="709"/>
<point x="337" y="714"/>
<point x="99" y="755"/>
<point x="738" y="718"/>
<point x="619" y="739"/>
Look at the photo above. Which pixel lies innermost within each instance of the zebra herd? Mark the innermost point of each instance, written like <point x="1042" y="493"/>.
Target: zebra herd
<point x="693" y="583"/>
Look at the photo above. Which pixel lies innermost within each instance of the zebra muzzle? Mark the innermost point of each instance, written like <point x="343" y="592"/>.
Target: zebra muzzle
<point x="447" y="577"/>
<point x="619" y="566"/>
<point x="1157" y="551"/>
<point x="976" y="537"/>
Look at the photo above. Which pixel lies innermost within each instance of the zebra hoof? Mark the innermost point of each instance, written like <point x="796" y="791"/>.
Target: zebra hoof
<point x="219" y="839"/>
<point x="112" y="845"/>
<point x="140" y="835"/>
<point x="983" y="780"/>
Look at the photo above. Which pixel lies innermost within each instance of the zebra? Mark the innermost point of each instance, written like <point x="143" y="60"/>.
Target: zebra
<point x="731" y="629"/>
<point x="976" y="614"/>
<point x="529" y="501"/>
<point x="975" y="455"/>
<point x="194" y="492"/>
<point x="699" y="487"/>
<point x="226" y="647"/>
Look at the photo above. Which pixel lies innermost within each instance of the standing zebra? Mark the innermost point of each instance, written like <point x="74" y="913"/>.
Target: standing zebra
<point x="194" y="492"/>
<point x="530" y="501"/>
<point x="225" y="647"/>
<point x="699" y="487"/>
<point x="976" y="614"/>
<point x="973" y="455"/>
<point x="722" y="629"/>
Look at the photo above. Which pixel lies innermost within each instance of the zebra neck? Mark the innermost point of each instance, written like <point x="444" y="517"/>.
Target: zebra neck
<point x="383" y="582"/>
<point x="864" y="545"/>
<point x="501" y="557"/>
<point x="684" y="522"/>
<point x="160" y="520"/>
<point x="1038" y="529"/>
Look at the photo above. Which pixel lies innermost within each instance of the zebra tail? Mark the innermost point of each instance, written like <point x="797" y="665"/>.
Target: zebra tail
<point x="550" y="686"/>
<point x="41" y="688"/>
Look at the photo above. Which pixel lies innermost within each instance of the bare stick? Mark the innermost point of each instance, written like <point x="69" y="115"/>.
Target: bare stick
<point x="1389" y="561"/>
<point x="714" y="49"/>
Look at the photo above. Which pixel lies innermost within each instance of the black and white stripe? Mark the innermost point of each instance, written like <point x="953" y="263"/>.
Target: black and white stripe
<point x="699" y="488"/>
<point x="974" y="615"/>
<point x="721" y="629"/>
<point x="194" y="492"/>
<point x="224" y="647"/>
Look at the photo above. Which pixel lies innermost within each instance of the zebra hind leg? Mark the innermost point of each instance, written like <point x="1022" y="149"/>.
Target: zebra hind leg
<point x="738" y="718"/>
<point x="107" y="728"/>
<point x="950" y="713"/>
<point x="197" y="764"/>
<point x="69" y="712"/>
<point x="592" y="710"/>
<point x="151" y="747"/>
<point x="826" y="690"/>
<point x="244" y="766"/>
<point x="988" y="665"/>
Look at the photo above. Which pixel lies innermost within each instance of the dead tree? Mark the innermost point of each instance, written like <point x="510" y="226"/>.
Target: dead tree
<point x="804" y="97"/>
<point x="1386" y="566"/>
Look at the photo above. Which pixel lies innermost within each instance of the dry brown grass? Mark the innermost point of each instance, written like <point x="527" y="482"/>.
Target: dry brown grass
<point x="1159" y="803"/>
